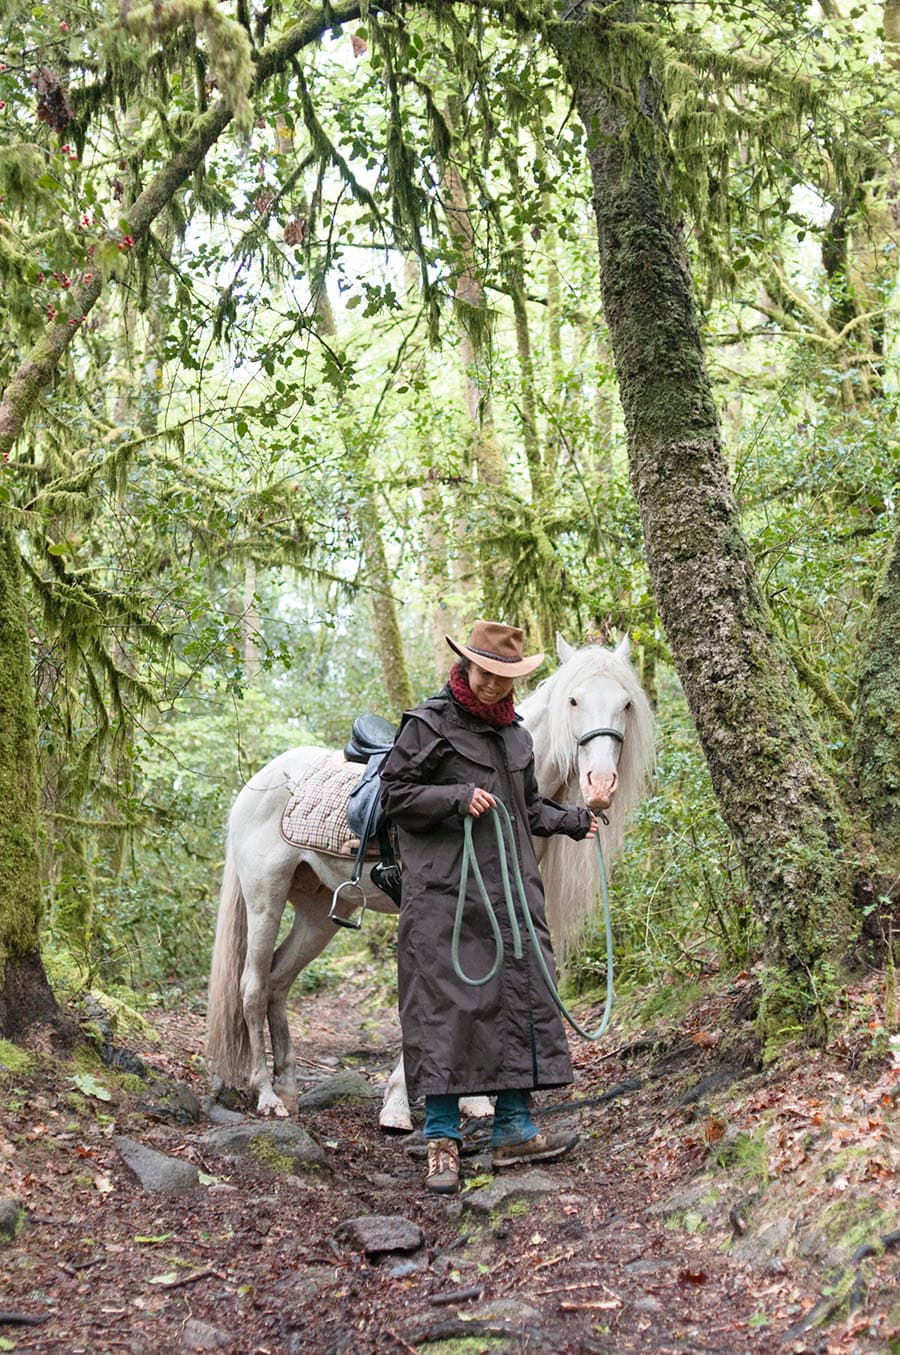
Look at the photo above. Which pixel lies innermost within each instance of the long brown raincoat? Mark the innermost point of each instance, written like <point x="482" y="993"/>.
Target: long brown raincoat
<point x="507" y="1034"/>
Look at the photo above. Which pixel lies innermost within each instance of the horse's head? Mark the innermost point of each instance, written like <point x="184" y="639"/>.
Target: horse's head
<point x="597" y="707"/>
<point x="592" y="727"/>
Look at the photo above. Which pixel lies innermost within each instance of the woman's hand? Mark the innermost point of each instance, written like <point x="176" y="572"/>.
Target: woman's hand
<point x="480" y="801"/>
<point x="592" y="831"/>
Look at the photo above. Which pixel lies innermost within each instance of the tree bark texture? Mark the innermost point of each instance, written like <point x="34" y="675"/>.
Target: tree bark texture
<point x="876" y="729"/>
<point x="25" y="996"/>
<point x="766" y="764"/>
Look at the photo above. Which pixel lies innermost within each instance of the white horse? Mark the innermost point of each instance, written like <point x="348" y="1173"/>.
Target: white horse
<point x="592" y="728"/>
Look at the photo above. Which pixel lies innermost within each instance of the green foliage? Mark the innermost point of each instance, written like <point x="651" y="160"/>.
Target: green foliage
<point x="679" y="902"/>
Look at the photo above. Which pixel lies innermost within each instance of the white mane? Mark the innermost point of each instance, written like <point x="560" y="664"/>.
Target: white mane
<point x="571" y="877"/>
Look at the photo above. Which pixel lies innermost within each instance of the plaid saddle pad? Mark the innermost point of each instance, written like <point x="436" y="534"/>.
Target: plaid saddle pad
<point x="316" y="814"/>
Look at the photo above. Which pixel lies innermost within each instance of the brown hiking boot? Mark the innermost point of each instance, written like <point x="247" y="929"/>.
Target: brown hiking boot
<point x="542" y="1148"/>
<point x="443" y="1166"/>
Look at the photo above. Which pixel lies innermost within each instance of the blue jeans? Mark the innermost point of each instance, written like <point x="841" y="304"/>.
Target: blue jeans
<point x="512" y="1119"/>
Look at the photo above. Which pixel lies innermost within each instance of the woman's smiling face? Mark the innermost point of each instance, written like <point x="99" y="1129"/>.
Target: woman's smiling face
<point x="488" y="688"/>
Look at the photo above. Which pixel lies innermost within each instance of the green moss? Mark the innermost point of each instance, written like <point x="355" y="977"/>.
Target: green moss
<point x="848" y="1223"/>
<point x="268" y="1155"/>
<point x="745" y="1152"/>
<point x="470" y="1345"/>
<point x="13" y="1059"/>
<point x="85" y="1059"/>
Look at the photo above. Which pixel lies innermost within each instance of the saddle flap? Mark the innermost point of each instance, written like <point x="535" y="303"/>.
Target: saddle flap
<point x="371" y="734"/>
<point x="364" y="812"/>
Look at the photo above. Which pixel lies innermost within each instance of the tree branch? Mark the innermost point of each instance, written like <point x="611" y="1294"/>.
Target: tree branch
<point x="37" y="370"/>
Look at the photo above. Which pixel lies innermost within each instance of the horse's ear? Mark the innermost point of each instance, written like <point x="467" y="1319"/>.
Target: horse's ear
<point x="623" y="648"/>
<point x="564" y="650"/>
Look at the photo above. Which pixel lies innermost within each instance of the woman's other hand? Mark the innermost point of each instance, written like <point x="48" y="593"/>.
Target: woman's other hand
<point x="480" y="801"/>
<point x="592" y="831"/>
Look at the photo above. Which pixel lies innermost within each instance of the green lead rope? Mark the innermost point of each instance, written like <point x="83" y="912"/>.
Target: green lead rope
<point x="506" y="846"/>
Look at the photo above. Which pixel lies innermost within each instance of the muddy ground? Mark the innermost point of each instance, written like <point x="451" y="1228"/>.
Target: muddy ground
<point x="711" y="1205"/>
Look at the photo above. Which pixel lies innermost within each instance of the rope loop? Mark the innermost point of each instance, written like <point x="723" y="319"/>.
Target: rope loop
<point x="508" y="856"/>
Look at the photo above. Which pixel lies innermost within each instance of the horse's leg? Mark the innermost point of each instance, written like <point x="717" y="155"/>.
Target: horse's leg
<point x="262" y="932"/>
<point x="394" y="1113"/>
<point x="476" y="1107"/>
<point x="309" y="935"/>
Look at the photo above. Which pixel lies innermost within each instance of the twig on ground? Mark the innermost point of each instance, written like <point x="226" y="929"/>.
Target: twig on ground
<point x="457" y="1295"/>
<point x="410" y="1350"/>
<point x="591" y="1304"/>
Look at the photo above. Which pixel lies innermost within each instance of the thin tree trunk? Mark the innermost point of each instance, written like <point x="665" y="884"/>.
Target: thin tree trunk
<point x="384" y="608"/>
<point x="766" y="763"/>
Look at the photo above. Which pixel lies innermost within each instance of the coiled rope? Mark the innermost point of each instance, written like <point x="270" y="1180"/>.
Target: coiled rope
<point x="506" y="847"/>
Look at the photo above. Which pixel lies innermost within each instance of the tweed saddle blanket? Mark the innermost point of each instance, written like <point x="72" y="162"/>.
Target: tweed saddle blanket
<point x="316" y="814"/>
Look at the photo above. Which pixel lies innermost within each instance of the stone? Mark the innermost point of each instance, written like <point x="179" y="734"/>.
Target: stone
<point x="402" y="1269"/>
<point x="157" y="1171"/>
<point x="172" y="1101"/>
<point x="12" y="1217"/>
<point x="503" y="1190"/>
<point x="197" y="1335"/>
<point x="278" y="1144"/>
<point x="505" y="1310"/>
<point x="372" y="1233"/>
<point x="340" y="1088"/>
<point x="217" y="1114"/>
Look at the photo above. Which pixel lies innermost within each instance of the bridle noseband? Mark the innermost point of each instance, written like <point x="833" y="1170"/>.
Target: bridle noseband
<point x="596" y="733"/>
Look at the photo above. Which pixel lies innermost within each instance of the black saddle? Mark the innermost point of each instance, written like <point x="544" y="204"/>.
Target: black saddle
<point x="371" y="734"/>
<point x="371" y="739"/>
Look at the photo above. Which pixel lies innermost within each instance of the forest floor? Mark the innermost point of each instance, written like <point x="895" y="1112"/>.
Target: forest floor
<point x="710" y="1206"/>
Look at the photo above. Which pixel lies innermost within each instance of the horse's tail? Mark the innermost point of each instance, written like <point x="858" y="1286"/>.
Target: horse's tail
<point x="227" y="1039"/>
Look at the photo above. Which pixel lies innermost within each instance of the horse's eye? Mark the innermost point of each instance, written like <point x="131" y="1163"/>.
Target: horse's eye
<point x="628" y="705"/>
<point x="572" y="701"/>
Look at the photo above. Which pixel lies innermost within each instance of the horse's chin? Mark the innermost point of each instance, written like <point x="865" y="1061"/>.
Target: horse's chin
<point x="597" y="802"/>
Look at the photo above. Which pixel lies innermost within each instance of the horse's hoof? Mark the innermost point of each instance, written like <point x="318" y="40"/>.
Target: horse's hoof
<point x="392" y="1123"/>
<point x="476" y="1108"/>
<point x="270" y="1104"/>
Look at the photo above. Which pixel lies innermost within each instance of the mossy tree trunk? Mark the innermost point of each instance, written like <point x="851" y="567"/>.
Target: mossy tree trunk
<point x="876" y="728"/>
<point x="767" y="766"/>
<point x="25" y="996"/>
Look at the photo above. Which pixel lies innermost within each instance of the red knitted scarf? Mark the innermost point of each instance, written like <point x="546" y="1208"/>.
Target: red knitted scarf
<point x="499" y="714"/>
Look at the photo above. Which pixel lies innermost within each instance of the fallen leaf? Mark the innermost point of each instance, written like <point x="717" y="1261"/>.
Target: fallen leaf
<point x="91" y="1086"/>
<point x="707" y="1039"/>
<point x="103" y="1183"/>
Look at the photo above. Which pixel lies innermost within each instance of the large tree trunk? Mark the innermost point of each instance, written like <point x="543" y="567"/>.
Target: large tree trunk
<point x="876" y="730"/>
<point x="25" y="996"/>
<point x="766" y="763"/>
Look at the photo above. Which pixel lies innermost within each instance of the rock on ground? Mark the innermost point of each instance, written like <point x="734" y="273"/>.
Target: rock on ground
<point x="278" y="1144"/>
<point x="156" y="1171"/>
<point x="380" y="1233"/>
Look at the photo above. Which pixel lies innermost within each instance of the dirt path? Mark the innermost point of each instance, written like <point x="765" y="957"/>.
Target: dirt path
<point x="708" y="1208"/>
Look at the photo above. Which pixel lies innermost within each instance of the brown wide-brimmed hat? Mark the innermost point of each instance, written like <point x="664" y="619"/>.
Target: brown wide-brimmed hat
<point x="497" y="649"/>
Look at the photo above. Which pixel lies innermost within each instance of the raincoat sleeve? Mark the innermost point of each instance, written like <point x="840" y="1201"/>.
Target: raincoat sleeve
<point x="411" y="792"/>
<point x="546" y="817"/>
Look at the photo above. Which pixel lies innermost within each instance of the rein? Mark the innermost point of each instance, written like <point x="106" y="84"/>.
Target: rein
<point x="508" y="855"/>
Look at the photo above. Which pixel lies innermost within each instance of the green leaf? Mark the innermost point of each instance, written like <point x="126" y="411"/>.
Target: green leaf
<point x="88" y="1084"/>
<point x="151" y="1241"/>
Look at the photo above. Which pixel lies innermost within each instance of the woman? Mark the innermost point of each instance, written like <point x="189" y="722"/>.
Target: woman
<point x="455" y="756"/>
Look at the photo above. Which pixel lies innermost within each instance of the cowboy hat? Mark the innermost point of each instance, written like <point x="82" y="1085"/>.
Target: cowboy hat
<point x="497" y="649"/>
